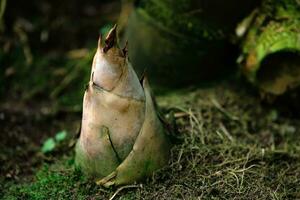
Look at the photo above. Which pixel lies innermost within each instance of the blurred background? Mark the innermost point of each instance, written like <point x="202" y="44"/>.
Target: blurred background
<point x="47" y="47"/>
<point x="244" y="53"/>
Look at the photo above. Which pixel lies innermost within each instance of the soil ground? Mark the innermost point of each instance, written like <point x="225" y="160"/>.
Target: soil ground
<point x="229" y="145"/>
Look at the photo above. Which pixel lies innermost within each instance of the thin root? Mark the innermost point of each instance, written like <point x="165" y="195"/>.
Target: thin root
<point x="122" y="188"/>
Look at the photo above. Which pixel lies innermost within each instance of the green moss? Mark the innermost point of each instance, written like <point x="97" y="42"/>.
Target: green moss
<point x="56" y="181"/>
<point x="275" y="18"/>
<point x="275" y="29"/>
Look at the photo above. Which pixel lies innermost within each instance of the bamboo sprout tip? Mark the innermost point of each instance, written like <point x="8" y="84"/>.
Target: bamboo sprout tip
<point x="125" y="49"/>
<point x="111" y="39"/>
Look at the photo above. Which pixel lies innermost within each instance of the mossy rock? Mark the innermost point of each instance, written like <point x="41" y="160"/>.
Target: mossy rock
<point x="182" y="42"/>
<point x="272" y="47"/>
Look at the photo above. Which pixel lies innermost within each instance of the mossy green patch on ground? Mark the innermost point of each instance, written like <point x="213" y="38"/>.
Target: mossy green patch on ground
<point x="228" y="145"/>
<point x="56" y="181"/>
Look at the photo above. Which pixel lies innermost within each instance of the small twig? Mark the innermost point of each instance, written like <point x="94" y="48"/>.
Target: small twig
<point x="230" y="161"/>
<point x="225" y="131"/>
<point x="194" y="121"/>
<point x="180" y="114"/>
<point x="25" y="42"/>
<point x="245" y="169"/>
<point x="66" y="81"/>
<point x="73" y="73"/>
<point x="223" y="111"/>
<point x="122" y="188"/>
<point x="192" y="12"/>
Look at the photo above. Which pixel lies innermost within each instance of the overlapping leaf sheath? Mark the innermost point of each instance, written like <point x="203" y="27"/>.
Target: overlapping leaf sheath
<point x="122" y="139"/>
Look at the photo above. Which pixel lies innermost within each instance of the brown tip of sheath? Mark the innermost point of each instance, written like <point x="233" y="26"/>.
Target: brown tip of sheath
<point x="125" y="49"/>
<point x="144" y="77"/>
<point x="111" y="39"/>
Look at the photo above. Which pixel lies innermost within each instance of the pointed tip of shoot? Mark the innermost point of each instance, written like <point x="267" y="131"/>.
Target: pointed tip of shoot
<point x="112" y="32"/>
<point x="125" y="49"/>
<point x="111" y="39"/>
<point x="144" y="79"/>
<point x="143" y="76"/>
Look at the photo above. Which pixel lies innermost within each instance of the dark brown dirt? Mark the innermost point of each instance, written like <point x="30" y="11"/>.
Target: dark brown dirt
<point x="23" y="130"/>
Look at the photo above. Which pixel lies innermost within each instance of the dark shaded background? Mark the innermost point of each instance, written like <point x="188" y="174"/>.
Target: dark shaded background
<point x="46" y="44"/>
<point x="68" y="24"/>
